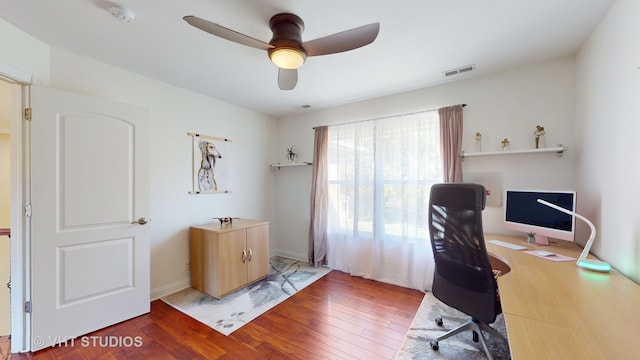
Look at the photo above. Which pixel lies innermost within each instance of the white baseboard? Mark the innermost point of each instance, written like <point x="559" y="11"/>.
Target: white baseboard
<point x="168" y="289"/>
<point x="290" y="255"/>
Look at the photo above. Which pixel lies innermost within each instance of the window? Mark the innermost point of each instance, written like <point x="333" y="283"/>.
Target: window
<point x="380" y="173"/>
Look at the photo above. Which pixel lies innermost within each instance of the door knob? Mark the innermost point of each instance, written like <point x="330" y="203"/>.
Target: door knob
<point x="142" y="221"/>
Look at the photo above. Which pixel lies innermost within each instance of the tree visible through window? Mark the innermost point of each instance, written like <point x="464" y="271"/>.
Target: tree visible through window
<point x="379" y="176"/>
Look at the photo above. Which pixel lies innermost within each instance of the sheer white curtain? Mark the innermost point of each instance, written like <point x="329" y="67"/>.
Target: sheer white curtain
<point x="379" y="176"/>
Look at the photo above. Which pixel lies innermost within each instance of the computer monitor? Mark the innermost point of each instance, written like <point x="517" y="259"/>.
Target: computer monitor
<point x="522" y="212"/>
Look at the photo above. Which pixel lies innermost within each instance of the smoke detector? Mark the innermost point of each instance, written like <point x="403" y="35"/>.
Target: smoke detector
<point x="121" y="13"/>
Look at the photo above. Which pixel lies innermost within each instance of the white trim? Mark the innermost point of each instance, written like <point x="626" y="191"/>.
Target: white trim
<point x="15" y="169"/>
<point x="20" y="287"/>
<point x="169" y="289"/>
<point x="19" y="154"/>
<point x="14" y="75"/>
<point x="290" y="255"/>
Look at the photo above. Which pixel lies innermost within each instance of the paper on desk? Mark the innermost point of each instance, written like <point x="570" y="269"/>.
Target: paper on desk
<point x="556" y="257"/>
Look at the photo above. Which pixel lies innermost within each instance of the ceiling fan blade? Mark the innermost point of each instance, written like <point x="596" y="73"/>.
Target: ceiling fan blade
<point x="287" y="79"/>
<point x="225" y="33"/>
<point x="342" y="41"/>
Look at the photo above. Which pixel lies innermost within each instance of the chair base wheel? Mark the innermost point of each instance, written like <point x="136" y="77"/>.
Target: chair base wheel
<point x="439" y="321"/>
<point x="434" y="345"/>
<point x="475" y="336"/>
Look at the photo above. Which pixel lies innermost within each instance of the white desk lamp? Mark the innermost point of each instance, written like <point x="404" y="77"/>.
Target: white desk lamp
<point x="583" y="262"/>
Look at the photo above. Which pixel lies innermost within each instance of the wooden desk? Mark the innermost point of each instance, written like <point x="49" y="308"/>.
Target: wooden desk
<point x="556" y="310"/>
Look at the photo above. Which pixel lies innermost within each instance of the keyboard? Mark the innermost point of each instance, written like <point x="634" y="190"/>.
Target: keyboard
<point x="507" y="245"/>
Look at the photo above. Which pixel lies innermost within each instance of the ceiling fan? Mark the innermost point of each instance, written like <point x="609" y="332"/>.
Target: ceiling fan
<point x="286" y="49"/>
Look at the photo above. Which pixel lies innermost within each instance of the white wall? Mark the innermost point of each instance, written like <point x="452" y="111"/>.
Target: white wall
<point x="508" y="104"/>
<point x="608" y="177"/>
<point x="173" y="113"/>
<point x="22" y="51"/>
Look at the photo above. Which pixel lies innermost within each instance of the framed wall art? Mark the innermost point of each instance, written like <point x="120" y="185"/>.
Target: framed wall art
<point x="211" y="162"/>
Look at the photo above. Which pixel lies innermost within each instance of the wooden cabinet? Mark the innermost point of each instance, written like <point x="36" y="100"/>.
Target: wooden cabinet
<point x="225" y="258"/>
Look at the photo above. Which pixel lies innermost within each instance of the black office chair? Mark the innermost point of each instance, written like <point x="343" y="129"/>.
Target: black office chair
<point x="463" y="277"/>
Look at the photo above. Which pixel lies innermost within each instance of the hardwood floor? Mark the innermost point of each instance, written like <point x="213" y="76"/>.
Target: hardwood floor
<point x="5" y="347"/>
<point x="337" y="317"/>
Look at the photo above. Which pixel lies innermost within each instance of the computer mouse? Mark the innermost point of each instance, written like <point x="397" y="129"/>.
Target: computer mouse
<point x="545" y="253"/>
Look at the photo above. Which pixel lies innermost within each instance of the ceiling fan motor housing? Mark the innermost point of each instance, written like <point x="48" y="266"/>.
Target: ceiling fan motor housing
<point x="286" y="49"/>
<point x="287" y="33"/>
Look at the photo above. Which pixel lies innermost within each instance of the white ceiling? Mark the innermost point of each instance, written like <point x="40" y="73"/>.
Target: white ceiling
<point x="418" y="41"/>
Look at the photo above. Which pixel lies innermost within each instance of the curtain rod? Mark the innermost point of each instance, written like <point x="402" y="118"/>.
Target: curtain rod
<point x="385" y="117"/>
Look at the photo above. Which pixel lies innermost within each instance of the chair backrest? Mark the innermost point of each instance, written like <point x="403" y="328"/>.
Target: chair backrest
<point x="463" y="276"/>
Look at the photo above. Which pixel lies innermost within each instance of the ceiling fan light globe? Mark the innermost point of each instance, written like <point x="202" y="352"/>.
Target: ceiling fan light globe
<point x="287" y="58"/>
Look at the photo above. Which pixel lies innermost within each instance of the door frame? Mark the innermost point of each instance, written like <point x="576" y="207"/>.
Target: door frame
<point x="19" y="168"/>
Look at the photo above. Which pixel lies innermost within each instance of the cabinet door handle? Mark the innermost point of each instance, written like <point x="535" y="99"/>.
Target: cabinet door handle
<point x="244" y="256"/>
<point x="250" y="255"/>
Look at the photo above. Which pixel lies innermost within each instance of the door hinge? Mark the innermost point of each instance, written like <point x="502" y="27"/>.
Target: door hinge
<point x="27" y="114"/>
<point x="27" y="307"/>
<point x="27" y="210"/>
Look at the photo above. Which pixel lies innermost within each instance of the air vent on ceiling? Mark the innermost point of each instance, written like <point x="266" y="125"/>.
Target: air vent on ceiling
<point x="460" y="70"/>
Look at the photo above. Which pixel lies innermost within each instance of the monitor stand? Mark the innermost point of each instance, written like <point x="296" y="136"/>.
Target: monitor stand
<point x="542" y="240"/>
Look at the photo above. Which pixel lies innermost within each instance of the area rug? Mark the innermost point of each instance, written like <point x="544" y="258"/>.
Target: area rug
<point x="460" y="346"/>
<point x="226" y="315"/>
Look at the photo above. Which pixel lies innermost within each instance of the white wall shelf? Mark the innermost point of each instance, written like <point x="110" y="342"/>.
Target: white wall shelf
<point x="558" y="150"/>
<point x="279" y="165"/>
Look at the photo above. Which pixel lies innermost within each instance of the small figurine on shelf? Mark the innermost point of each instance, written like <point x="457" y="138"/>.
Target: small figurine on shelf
<point x="291" y="154"/>
<point x="478" y="142"/>
<point x="539" y="136"/>
<point x="504" y="144"/>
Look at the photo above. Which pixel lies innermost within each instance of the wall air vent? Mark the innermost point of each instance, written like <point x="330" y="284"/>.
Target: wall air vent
<point x="460" y="70"/>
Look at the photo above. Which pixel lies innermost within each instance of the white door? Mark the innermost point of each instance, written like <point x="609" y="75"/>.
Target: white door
<point x="89" y="188"/>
